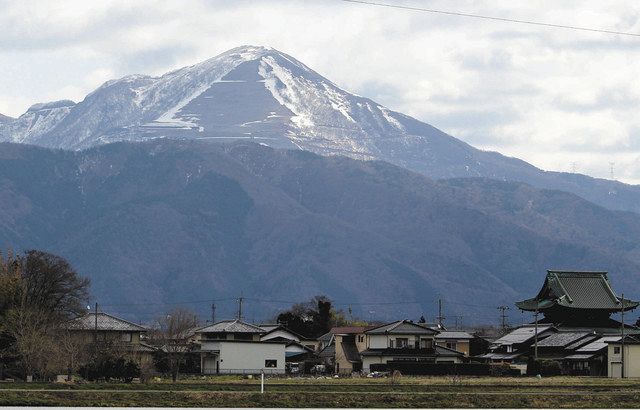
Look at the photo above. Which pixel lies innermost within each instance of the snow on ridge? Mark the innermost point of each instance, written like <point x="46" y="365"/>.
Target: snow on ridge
<point x="271" y="71"/>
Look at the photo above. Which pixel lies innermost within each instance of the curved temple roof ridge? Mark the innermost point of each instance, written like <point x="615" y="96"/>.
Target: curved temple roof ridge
<point x="587" y="290"/>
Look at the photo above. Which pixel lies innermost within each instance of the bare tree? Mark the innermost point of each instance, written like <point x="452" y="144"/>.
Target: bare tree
<point x="172" y="335"/>
<point x="38" y="292"/>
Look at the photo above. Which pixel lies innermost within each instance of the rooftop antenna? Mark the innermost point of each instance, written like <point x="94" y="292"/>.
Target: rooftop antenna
<point x="213" y="313"/>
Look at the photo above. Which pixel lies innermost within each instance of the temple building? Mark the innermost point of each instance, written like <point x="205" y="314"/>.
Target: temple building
<point x="577" y="299"/>
<point x="575" y="328"/>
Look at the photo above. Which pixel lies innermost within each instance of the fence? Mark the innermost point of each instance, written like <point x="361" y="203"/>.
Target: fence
<point x="267" y="371"/>
<point x="442" y="369"/>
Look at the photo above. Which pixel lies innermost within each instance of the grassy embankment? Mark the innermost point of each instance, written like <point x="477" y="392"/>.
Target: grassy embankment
<point x="406" y="392"/>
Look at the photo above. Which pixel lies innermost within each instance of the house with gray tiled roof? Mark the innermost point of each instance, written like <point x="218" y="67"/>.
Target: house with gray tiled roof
<point x="104" y="328"/>
<point x="234" y="347"/>
<point x="405" y="341"/>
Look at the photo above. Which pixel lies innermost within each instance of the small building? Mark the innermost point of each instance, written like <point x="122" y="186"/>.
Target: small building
<point x="404" y="341"/>
<point x="234" y="347"/>
<point x="625" y="355"/>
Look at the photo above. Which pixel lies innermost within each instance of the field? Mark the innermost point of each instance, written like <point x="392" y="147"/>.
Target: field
<point x="554" y="392"/>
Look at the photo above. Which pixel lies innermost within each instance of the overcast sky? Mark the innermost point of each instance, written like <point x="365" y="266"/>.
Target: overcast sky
<point x="557" y="98"/>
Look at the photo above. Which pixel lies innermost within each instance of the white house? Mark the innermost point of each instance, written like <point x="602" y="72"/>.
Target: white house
<point x="234" y="347"/>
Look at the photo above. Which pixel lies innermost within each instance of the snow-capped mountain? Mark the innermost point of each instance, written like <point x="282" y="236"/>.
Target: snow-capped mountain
<point x="266" y="96"/>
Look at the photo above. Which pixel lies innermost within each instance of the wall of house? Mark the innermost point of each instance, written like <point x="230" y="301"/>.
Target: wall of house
<point x="245" y="357"/>
<point x="631" y="361"/>
<point x="343" y="366"/>
<point x="461" y="346"/>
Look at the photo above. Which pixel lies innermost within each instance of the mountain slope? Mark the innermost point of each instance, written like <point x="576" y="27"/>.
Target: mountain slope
<point x="264" y="95"/>
<point x="168" y="221"/>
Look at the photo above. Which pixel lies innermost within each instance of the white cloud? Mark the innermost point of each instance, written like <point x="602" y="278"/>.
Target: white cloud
<point x="549" y="96"/>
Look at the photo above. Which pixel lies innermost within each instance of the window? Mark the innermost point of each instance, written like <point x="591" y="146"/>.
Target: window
<point x="425" y="344"/>
<point x="270" y="363"/>
<point x="360" y="338"/>
<point x="451" y="345"/>
<point x="616" y="349"/>
<point x="243" y="336"/>
<point x="125" y="337"/>
<point x="402" y="342"/>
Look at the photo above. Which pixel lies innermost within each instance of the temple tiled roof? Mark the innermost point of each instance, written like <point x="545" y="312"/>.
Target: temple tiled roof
<point x="562" y="339"/>
<point x="577" y="290"/>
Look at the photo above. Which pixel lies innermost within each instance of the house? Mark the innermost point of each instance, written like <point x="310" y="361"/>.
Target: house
<point x="234" y="347"/>
<point x="515" y="345"/>
<point x="625" y="355"/>
<point x="404" y="341"/>
<point x="455" y="340"/>
<point x="298" y="349"/>
<point x="100" y="327"/>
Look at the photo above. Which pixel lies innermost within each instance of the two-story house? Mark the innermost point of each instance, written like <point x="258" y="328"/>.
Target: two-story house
<point x="234" y="347"/>
<point x="106" y="329"/>
<point x="404" y="341"/>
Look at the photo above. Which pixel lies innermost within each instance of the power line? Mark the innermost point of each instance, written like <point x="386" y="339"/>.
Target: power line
<point x="502" y="19"/>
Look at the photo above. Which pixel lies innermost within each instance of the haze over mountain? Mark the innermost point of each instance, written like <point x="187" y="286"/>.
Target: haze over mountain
<point x="164" y="221"/>
<point x="266" y="96"/>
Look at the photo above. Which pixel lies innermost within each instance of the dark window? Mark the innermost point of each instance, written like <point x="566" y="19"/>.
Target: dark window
<point x="452" y="345"/>
<point x="243" y="336"/>
<point x="616" y="349"/>
<point x="270" y="363"/>
<point x="402" y="342"/>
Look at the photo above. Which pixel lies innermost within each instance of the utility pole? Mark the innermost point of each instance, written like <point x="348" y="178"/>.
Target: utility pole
<point x="440" y="317"/>
<point x="458" y="319"/>
<point x="95" y="328"/>
<point x="240" y="300"/>
<point x="622" y="340"/>
<point x="503" y="316"/>
<point x="535" y="348"/>
<point x="213" y="313"/>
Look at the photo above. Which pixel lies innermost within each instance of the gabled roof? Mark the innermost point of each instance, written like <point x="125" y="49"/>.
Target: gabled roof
<point x="402" y="327"/>
<point x="284" y="329"/>
<point x="105" y="322"/>
<point x="628" y="340"/>
<point x="577" y="290"/>
<point x="231" y="326"/>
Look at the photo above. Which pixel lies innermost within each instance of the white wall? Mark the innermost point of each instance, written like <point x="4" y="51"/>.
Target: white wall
<point x="243" y="356"/>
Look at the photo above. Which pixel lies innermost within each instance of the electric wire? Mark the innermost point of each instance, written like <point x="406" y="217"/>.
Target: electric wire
<point x="494" y="18"/>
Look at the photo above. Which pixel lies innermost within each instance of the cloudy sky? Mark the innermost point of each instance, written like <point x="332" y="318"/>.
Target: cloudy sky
<point x="560" y="99"/>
